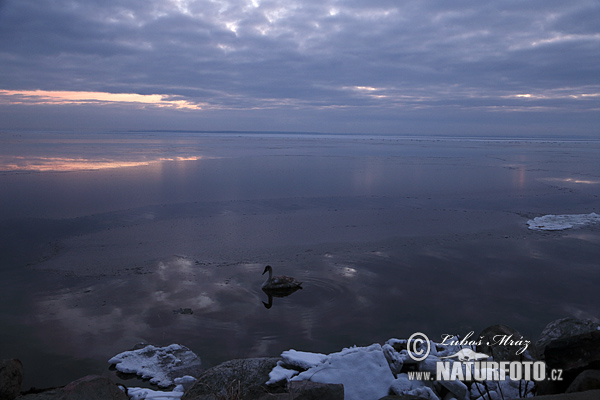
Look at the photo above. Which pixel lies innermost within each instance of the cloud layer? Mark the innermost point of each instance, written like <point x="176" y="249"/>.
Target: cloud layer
<point x="376" y="63"/>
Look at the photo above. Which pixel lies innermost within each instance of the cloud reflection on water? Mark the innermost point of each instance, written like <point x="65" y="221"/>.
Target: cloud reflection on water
<point x="46" y="164"/>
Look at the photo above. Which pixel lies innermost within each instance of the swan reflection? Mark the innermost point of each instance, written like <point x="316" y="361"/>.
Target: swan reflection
<point x="278" y="293"/>
<point x="278" y="286"/>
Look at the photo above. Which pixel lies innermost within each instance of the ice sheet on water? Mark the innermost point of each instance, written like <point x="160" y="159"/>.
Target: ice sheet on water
<point x="561" y="222"/>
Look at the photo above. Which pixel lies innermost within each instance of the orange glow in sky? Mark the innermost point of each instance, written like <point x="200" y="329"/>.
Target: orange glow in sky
<point x="37" y="97"/>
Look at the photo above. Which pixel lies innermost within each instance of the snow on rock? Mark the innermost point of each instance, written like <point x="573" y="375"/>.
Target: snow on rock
<point x="279" y="373"/>
<point x="302" y="359"/>
<point x="137" y="393"/>
<point x="404" y="386"/>
<point x="363" y="371"/>
<point x="561" y="222"/>
<point x="155" y="363"/>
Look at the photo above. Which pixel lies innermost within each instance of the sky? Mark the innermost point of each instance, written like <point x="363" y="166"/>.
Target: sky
<point x="498" y="67"/>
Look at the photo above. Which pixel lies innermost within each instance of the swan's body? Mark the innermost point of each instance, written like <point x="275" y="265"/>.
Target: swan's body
<point x="280" y="283"/>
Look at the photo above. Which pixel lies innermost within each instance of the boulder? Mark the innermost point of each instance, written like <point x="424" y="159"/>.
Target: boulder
<point x="561" y="329"/>
<point x="91" y="387"/>
<point x="574" y="352"/>
<point x="587" y="380"/>
<point x="49" y="394"/>
<point x="11" y="378"/>
<point x="589" y="395"/>
<point x="307" y="390"/>
<point x="457" y="389"/>
<point x="240" y="379"/>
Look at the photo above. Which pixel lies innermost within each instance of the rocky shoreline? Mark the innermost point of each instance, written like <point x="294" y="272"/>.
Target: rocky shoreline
<point x="568" y="345"/>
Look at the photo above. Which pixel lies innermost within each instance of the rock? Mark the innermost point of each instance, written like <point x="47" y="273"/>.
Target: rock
<point x="574" y="352"/>
<point x="307" y="390"/>
<point x="11" y="378"/>
<point x="587" y="380"/>
<point x="244" y="378"/>
<point x="403" y="386"/>
<point x="504" y="343"/>
<point x="457" y="389"/>
<point x="50" y="394"/>
<point x="91" y="387"/>
<point x="561" y="329"/>
<point x="589" y="395"/>
<point x="502" y="389"/>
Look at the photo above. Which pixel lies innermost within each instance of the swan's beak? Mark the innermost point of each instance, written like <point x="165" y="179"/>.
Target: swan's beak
<point x="266" y="269"/>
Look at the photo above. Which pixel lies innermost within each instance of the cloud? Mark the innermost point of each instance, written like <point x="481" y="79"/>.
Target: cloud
<point x="41" y="97"/>
<point x="307" y="56"/>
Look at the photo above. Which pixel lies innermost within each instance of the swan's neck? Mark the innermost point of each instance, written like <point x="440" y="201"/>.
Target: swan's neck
<point x="270" y="273"/>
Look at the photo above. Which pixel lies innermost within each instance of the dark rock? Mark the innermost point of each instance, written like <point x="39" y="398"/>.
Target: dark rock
<point x="91" y="387"/>
<point x="587" y="380"/>
<point x="589" y="395"/>
<point x="506" y="344"/>
<point x="50" y="394"/>
<point x="574" y="352"/>
<point x="457" y="389"/>
<point x="548" y="387"/>
<point x="307" y="390"/>
<point x="240" y="379"/>
<point x="11" y="378"/>
<point x="563" y="328"/>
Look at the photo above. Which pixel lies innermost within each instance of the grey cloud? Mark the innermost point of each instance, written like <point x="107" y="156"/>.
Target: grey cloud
<point x="310" y="54"/>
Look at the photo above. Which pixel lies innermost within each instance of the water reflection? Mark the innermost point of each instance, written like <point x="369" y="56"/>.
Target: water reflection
<point x="278" y="293"/>
<point x="64" y="164"/>
<point x="572" y="180"/>
<point x="420" y="239"/>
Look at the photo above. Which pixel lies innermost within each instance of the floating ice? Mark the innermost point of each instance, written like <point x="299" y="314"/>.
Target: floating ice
<point x="561" y="222"/>
<point x="158" y="364"/>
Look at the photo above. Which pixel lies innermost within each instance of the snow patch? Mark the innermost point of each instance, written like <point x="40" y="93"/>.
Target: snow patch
<point x="363" y="371"/>
<point x="155" y="363"/>
<point x="279" y="373"/>
<point x="302" y="359"/>
<point x="137" y="393"/>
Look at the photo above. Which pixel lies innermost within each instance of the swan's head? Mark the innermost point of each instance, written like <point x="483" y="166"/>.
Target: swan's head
<point x="267" y="269"/>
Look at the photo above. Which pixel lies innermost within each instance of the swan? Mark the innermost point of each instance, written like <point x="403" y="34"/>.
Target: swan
<point x="280" y="283"/>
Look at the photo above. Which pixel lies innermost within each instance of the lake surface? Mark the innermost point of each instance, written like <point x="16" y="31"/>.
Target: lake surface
<point x="105" y="236"/>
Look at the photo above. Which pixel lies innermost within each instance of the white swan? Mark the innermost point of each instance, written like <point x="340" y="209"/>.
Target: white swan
<point x="280" y="283"/>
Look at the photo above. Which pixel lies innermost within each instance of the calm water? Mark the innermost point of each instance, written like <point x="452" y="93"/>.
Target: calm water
<point x="104" y="235"/>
